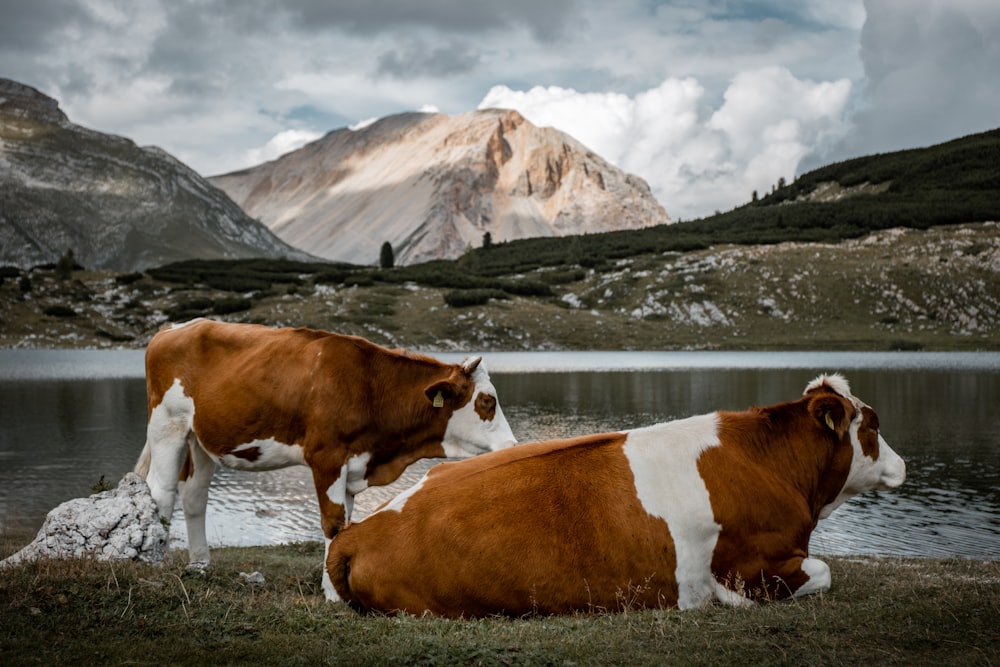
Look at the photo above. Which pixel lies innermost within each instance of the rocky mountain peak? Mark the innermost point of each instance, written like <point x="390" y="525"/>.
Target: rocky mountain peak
<point x="432" y="185"/>
<point x="114" y="204"/>
<point x="18" y="99"/>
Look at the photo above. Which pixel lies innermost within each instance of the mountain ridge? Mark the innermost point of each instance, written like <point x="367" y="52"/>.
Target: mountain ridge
<point x="487" y="171"/>
<point x="116" y="205"/>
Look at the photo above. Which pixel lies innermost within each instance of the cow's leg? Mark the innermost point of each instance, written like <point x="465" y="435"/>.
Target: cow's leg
<point x="166" y="444"/>
<point x="194" y="498"/>
<point x="819" y="577"/>
<point x="331" y="489"/>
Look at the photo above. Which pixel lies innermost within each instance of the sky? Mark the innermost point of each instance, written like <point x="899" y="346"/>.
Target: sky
<point x="708" y="101"/>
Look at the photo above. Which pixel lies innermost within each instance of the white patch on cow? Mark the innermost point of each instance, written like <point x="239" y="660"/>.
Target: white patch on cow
<point x="664" y="462"/>
<point x="397" y="503"/>
<point x="350" y="482"/>
<point x="357" y="471"/>
<point x="867" y="474"/>
<point x="167" y="432"/>
<point x="819" y="577"/>
<point x="467" y="434"/>
<point x="271" y="455"/>
<point x="328" y="589"/>
<point x="337" y="492"/>
<point x="181" y="325"/>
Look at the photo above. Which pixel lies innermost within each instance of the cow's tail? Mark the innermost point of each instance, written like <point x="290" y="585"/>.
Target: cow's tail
<point x="142" y="465"/>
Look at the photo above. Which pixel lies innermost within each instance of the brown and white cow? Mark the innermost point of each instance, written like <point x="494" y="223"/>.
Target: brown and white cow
<point x="257" y="398"/>
<point x="715" y="507"/>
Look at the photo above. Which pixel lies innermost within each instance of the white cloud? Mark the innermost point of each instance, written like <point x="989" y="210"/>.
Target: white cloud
<point x="695" y="159"/>
<point x="281" y="143"/>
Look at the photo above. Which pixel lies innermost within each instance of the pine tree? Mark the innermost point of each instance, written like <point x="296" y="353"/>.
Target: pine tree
<point x="386" y="258"/>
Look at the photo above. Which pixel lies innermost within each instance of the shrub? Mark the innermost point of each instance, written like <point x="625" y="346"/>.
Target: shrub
<point x="186" y="310"/>
<point x="527" y="288"/>
<point x="472" y="297"/>
<point x="359" y="280"/>
<point x="128" y="278"/>
<point x="60" y="311"/>
<point x="226" y="306"/>
<point x="331" y="276"/>
<point x="562" y="277"/>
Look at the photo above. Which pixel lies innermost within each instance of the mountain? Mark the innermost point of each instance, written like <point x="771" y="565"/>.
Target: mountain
<point x="433" y="185"/>
<point x="114" y="204"/>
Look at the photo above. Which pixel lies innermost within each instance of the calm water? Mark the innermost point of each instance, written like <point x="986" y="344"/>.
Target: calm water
<point x="69" y="417"/>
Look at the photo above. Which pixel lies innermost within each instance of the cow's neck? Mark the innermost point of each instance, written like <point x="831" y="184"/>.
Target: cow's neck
<point x="817" y="471"/>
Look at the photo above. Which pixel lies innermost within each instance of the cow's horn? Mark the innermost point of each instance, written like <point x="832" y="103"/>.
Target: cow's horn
<point x="471" y="364"/>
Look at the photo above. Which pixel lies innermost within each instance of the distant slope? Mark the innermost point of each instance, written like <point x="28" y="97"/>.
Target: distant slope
<point x="116" y="205"/>
<point x="432" y="185"/>
<point x="950" y="183"/>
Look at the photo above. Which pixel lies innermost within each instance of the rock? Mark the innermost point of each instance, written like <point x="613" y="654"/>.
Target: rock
<point x="121" y="524"/>
<point x="253" y="578"/>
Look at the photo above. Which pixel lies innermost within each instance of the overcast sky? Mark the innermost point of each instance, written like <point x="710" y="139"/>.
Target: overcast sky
<point x="706" y="100"/>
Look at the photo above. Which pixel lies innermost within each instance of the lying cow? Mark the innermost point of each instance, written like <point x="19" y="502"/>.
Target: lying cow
<point x="716" y="507"/>
<point x="256" y="398"/>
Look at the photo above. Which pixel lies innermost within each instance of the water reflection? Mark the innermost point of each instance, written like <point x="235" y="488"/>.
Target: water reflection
<point x="57" y="438"/>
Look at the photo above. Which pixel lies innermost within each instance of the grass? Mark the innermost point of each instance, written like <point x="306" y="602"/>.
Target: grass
<point x="880" y="611"/>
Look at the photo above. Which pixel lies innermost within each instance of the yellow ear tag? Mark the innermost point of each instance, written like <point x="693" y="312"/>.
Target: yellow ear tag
<point x="829" y="422"/>
<point x="439" y="400"/>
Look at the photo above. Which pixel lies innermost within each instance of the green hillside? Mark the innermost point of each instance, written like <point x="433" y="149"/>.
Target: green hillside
<point x="950" y="183"/>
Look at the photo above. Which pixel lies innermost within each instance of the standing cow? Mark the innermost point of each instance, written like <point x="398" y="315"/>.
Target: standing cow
<point x="257" y="398"/>
<point x="716" y="507"/>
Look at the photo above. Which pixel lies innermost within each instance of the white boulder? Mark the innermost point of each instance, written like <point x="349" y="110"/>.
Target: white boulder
<point x="120" y="524"/>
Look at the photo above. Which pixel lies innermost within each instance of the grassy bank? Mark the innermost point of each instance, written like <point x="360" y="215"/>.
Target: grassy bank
<point x="880" y="612"/>
<point x="934" y="289"/>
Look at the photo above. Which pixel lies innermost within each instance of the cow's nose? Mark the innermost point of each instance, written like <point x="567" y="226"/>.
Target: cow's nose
<point x="894" y="475"/>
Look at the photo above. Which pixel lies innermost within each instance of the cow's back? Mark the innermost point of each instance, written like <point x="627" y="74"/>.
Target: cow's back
<point x="247" y="381"/>
<point x="538" y="528"/>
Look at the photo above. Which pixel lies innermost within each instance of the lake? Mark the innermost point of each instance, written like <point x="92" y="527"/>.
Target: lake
<point x="67" y="418"/>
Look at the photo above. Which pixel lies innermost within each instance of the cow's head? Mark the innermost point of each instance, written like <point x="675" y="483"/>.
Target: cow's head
<point x="874" y="465"/>
<point x="476" y="424"/>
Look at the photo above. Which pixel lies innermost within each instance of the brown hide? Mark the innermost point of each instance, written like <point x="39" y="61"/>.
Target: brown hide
<point x="776" y="468"/>
<point x="558" y="526"/>
<point x="336" y="396"/>
<point x="539" y="528"/>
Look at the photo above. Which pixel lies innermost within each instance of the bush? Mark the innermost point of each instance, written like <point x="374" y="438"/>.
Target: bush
<point x="187" y="310"/>
<point x="331" y="276"/>
<point x="472" y="297"/>
<point x="359" y="280"/>
<point x="227" y="306"/>
<point x="60" y="311"/>
<point x="562" y="277"/>
<point x="527" y="288"/>
<point x="128" y="278"/>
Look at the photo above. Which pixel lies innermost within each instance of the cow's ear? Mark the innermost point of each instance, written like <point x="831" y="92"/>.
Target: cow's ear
<point x="439" y="392"/>
<point x="831" y="412"/>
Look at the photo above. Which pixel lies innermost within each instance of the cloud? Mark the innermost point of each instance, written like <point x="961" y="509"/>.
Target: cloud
<point x="697" y="159"/>
<point x="421" y="59"/>
<point x="281" y="143"/>
<point x="545" y="19"/>
<point x="930" y="75"/>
